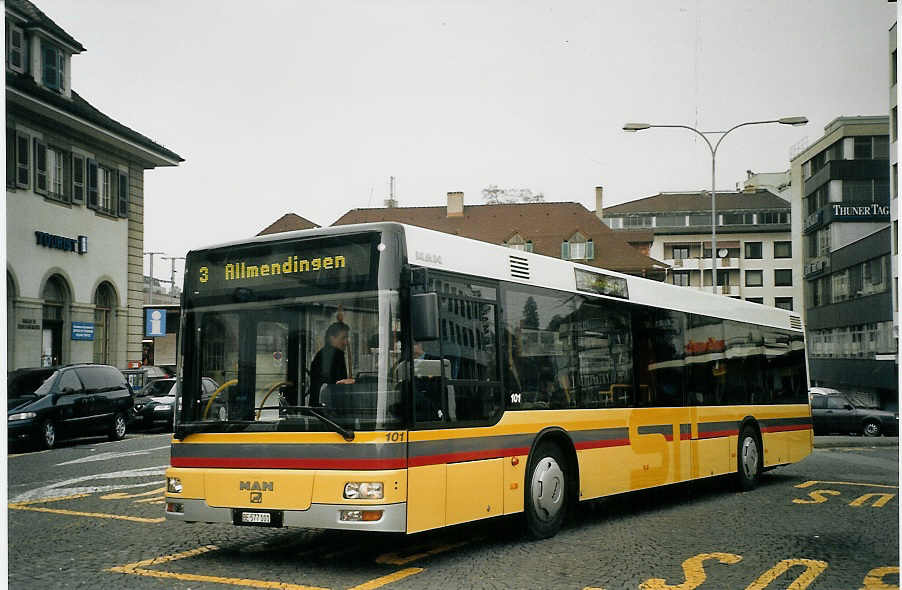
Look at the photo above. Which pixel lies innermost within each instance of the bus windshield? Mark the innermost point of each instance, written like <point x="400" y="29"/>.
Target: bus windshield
<point x="296" y="335"/>
<point x="265" y="366"/>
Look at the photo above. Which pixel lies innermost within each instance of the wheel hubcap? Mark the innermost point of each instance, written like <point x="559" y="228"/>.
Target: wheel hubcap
<point x="120" y="426"/>
<point x="871" y="429"/>
<point x="222" y="415"/>
<point x="749" y="457"/>
<point x="547" y="488"/>
<point x="49" y="434"/>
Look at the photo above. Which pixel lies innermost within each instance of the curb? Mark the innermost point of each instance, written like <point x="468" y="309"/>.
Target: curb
<point x="829" y="442"/>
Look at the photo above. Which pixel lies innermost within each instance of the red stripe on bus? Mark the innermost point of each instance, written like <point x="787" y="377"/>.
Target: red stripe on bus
<point x="786" y="428"/>
<point x="465" y="456"/>
<point x="683" y="436"/>
<point x="600" y="444"/>
<point x="718" y="433"/>
<point x="261" y="463"/>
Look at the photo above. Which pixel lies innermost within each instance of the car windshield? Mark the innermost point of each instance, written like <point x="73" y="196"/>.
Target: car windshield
<point x="161" y="387"/>
<point x="26" y="383"/>
<point x="47" y="385"/>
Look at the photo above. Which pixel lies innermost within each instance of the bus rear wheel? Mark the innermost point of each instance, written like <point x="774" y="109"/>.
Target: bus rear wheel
<point x="546" y="491"/>
<point x="748" y="459"/>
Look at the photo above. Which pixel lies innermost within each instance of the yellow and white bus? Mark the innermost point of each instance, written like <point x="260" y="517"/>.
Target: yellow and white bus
<point x="467" y="381"/>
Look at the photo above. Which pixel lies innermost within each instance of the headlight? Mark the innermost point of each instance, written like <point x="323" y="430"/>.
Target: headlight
<point x="174" y="485"/>
<point x="22" y="416"/>
<point x="363" y="490"/>
<point x="162" y="408"/>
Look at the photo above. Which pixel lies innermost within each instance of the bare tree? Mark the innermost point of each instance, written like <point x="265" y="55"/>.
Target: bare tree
<point x="494" y="195"/>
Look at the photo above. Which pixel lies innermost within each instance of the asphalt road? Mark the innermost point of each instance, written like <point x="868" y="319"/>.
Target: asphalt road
<point x="89" y="514"/>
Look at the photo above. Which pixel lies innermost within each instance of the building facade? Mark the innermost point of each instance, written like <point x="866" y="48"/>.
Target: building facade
<point x="841" y="218"/>
<point x="754" y="244"/>
<point x="74" y="206"/>
<point x="562" y="230"/>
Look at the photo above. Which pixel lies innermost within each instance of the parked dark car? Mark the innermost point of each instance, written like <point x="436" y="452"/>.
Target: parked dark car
<point x="25" y="381"/>
<point x="833" y="411"/>
<point x="75" y="400"/>
<point x="138" y="378"/>
<point x="157" y="401"/>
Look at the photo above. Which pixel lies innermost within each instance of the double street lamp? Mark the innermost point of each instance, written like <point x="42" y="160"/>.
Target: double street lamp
<point x="633" y="127"/>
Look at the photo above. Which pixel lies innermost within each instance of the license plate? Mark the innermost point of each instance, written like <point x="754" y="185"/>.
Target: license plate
<point x="256" y="517"/>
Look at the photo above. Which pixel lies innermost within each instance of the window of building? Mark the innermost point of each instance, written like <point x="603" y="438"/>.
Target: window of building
<point x="670" y="221"/>
<point x="104" y="301"/>
<point x="577" y="248"/>
<point x="755" y="300"/>
<point x="773" y="218"/>
<point x="699" y="220"/>
<point x="754" y="278"/>
<point x="681" y="278"/>
<point x="858" y="191"/>
<point x="895" y="180"/>
<point x="863" y="148"/>
<point x="753" y="250"/>
<point x="783" y="277"/>
<point x="896" y="237"/>
<point x="783" y="303"/>
<point x="633" y="221"/>
<point x="881" y="147"/>
<point x="57" y="174"/>
<point x="15" y="48"/>
<point x="40" y="167"/>
<point x="782" y="249"/>
<point x="835" y="151"/>
<point x="894" y="122"/>
<point x="23" y="160"/>
<point x="515" y="242"/>
<point x="104" y="189"/>
<point x="680" y="252"/>
<point x="893" y="70"/>
<point x="78" y="178"/>
<point x="738" y="219"/>
<point x="614" y="222"/>
<point x="53" y="65"/>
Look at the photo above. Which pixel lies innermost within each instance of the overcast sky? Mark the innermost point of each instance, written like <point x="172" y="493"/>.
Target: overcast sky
<point x="309" y="107"/>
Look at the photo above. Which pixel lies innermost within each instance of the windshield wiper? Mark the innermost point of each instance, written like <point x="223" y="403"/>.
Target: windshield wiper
<point x="348" y="435"/>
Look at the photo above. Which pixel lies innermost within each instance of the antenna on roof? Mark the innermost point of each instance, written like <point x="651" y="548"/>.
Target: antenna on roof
<point x="391" y="202"/>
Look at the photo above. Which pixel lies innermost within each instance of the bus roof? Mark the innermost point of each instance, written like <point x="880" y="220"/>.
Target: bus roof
<point x="441" y="251"/>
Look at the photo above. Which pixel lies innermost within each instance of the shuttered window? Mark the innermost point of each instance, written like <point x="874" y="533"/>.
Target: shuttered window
<point x="123" y="194"/>
<point x="40" y="167"/>
<point x="78" y="178"/>
<point x="92" y="184"/>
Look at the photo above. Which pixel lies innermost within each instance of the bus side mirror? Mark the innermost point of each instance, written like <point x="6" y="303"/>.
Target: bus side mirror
<point x="424" y="316"/>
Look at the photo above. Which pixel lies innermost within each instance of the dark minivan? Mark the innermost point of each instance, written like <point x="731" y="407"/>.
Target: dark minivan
<point x="834" y="411"/>
<point x="76" y="400"/>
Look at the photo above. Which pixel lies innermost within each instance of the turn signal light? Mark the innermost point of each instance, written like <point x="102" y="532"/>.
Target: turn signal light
<point x="361" y="515"/>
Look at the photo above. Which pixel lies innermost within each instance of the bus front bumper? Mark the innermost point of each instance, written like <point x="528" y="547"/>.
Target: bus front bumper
<point x="318" y="516"/>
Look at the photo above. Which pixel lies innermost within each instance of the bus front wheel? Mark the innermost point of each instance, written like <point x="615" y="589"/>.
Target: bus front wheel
<point x="546" y="491"/>
<point x="749" y="459"/>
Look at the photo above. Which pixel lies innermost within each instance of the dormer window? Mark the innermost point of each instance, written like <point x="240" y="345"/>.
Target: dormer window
<point x="577" y="248"/>
<point x="516" y="242"/>
<point x="15" y="48"/>
<point x="53" y="63"/>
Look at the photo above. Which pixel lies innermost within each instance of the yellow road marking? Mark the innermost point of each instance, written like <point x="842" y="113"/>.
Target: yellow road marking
<point x="55" y="499"/>
<point x="874" y="578"/>
<point x="91" y="514"/>
<point x="168" y="558"/>
<point x="137" y="568"/>
<point x="813" y="568"/>
<point x="808" y="484"/>
<point x="395" y="559"/>
<point x="379" y="582"/>
<point x="880" y="500"/>
<point x="124" y="496"/>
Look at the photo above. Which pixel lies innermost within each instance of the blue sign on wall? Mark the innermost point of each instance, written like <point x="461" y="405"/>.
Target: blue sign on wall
<point x="82" y="331"/>
<point x="154" y="322"/>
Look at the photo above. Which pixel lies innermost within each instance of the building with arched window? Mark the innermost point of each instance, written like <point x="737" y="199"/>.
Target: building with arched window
<point x="74" y="208"/>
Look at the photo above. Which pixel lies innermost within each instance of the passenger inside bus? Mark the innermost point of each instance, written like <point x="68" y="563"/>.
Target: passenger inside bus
<point x="328" y="366"/>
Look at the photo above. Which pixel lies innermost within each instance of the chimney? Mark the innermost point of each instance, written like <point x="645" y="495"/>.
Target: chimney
<point x="599" y="209"/>
<point x="455" y="204"/>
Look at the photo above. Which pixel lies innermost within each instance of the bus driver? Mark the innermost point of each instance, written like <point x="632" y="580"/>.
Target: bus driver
<point x="328" y="366"/>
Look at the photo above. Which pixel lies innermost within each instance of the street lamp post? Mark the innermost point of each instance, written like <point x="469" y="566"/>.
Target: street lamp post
<point x="633" y="127"/>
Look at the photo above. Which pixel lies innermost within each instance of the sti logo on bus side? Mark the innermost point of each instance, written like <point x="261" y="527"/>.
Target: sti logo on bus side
<point x="427" y="257"/>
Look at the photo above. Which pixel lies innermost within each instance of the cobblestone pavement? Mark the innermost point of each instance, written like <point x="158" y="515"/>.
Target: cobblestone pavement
<point x="89" y="515"/>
